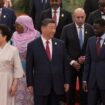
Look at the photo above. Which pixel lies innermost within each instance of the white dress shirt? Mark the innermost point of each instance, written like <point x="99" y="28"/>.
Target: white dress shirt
<point x="0" y="12"/>
<point x="102" y="15"/>
<point x="44" y="43"/>
<point x="102" y="41"/>
<point x="45" y="1"/>
<point x="57" y="14"/>
<point x="78" y="28"/>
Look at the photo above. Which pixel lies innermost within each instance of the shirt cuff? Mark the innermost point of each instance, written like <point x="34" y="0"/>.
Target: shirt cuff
<point x="71" y="63"/>
<point x="84" y="81"/>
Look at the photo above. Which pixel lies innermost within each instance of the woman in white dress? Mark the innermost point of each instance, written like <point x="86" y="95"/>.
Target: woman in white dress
<point x="10" y="68"/>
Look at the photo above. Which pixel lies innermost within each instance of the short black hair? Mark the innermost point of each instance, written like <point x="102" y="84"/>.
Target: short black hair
<point x="5" y="31"/>
<point x="46" y="21"/>
<point x="100" y="21"/>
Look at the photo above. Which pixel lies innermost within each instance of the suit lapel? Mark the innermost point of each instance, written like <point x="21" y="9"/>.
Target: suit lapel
<point x="86" y="35"/>
<point x="60" y="18"/>
<point x="93" y="45"/>
<point x="4" y="15"/>
<point x="42" y="49"/>
<point x="102" y="49"/>
<point x="54" y="48"/>
<point x="50" y="13"/>
<point x="76" y="36"/>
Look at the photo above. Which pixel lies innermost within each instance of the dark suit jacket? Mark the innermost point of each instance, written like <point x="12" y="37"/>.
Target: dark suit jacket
<point x="65" y="18"/>
<point x="72" y="44"/>
<point x="44" y="74"/>
<point x="94" y="68"/>
<point x="70" y="37"/>
<point x="8" y="17"/>
<point x="94" y="16"/>
<point x="36" y="8"/>
<point x="89" y="6"/>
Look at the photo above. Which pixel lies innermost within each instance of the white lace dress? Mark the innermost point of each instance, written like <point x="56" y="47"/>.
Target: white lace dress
<point x="10" y="67"/>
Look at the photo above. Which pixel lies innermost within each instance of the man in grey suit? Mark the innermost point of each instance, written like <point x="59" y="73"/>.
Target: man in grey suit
<point x="94" y="68"/>
<point x="47" y="67"/>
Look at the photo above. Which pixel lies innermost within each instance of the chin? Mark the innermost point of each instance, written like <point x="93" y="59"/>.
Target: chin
<point x="52" y="36"/>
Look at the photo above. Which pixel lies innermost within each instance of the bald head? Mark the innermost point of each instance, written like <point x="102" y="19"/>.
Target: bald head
<point x="79" y="10"/>
<point x="79" y="16"/>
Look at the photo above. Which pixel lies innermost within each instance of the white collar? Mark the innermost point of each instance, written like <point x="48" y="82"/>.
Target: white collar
<point x="103" y="36"/>
<point x="79" y="26"/>
<point x="44" y="40"/>
<point x="58" y="10"/>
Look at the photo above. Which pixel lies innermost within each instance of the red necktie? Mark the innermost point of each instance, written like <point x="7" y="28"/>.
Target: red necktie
<point x="48" y="50"/>
<point x="98" y="46"/>
<point x="55" y="16"/>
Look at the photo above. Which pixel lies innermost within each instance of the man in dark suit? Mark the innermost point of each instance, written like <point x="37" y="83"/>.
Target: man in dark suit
<point x="36" y="7"/>
<point x="75" y="36"/>
<point x="62" y="16"/>
<point x="99" y="13"/>
<point x="94" y="68"/>
<point x="7" y="16"/>
<point x="47" y="68"/>
<point x="89" y="6"/>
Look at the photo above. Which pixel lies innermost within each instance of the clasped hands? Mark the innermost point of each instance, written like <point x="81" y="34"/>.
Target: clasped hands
<point x="77" y="64"/>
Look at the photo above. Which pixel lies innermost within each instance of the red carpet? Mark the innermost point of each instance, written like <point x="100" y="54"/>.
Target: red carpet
<point x="77" y="89"/>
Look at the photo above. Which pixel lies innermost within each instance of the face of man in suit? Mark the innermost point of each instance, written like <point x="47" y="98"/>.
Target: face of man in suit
<point x="55" y="3"/>
<point x="79" y="16"/>
<point x="1" y="3"/>
<point x="99" y="28"/>
<point x="102" y="5"/>
<point x="48" y="30"/>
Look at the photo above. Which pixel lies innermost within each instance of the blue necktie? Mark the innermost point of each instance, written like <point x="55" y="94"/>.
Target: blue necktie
<point x="80" y="37"/>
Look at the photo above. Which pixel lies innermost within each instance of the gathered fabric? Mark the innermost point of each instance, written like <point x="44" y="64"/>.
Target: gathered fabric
<point x="21" y="40"/>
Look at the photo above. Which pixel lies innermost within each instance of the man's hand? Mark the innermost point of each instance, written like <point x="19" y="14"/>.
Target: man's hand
<point x="81" y="59"/>
<point x="76" y="65"/>
<point x="30" y="89"/>
<point x="66" y="87"/>
<point x="85" y="86"/>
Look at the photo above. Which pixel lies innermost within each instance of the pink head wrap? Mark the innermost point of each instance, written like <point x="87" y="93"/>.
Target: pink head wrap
<point x="20" y="40"/>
